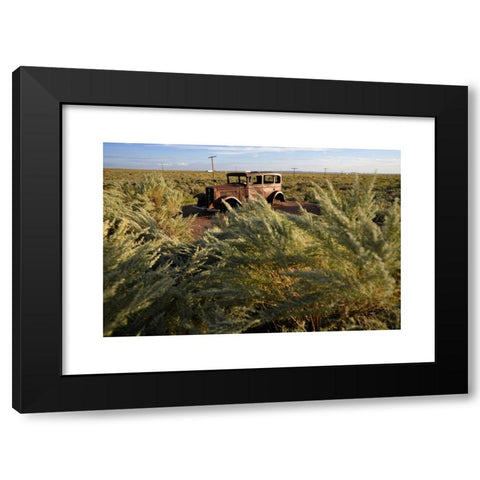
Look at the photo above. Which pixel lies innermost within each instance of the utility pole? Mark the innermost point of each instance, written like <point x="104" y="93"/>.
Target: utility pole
<point x="163" y="164"/>
<point x="325" y="171"/>
<point x="294" y="168"/>
<point x="213" y="168"/>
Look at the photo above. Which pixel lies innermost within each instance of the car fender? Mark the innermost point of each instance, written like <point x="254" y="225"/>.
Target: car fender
<point x="234" y="202"/>
<point x="276" y="196"/>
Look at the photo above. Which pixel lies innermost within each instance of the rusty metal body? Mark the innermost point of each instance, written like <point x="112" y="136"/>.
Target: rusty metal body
<point x="240" y="187"/>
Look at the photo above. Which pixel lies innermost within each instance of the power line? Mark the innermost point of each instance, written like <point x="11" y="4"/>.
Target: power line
<point x="294" y="168"/>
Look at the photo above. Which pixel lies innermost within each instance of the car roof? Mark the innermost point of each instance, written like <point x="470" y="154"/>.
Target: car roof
<point x="246" y="172"/>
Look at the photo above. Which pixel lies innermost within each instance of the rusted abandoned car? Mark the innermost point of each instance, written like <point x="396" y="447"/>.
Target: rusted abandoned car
<point x="239" y="188"/>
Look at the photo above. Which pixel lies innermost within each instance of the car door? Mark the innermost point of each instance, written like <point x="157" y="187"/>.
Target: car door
<point x="255" y="186"/>
<point x="271" y="184"/>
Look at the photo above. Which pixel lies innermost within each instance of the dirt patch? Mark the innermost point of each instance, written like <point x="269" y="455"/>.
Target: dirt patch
<point x="200" y="225"/>
<point x="294" y="207"/>
<point x="203" y="221"/>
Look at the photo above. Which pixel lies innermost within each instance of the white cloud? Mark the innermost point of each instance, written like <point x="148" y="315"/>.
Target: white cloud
<point x="239" y="150"/>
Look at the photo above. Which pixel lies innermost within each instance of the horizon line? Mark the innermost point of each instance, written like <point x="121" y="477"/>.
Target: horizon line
<point x="240" y="170"/>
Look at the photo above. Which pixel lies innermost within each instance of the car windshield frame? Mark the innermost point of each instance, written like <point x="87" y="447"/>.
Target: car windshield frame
<point x="237" y="176"/>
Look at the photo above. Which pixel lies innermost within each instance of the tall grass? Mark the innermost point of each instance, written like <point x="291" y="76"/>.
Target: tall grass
<point x="258" y="270"/>
<point x="141" y="220"/>
<point x="296" y="186"/>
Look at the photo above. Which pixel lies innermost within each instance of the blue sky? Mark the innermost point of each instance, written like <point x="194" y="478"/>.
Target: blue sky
<point x="195" y="157"/>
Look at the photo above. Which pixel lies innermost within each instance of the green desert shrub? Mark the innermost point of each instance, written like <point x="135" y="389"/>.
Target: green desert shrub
<point x="140" y="221"/>
<point x="151" y="205"/>
<point x="357" y="284"/>
<point x="261" y="270"/>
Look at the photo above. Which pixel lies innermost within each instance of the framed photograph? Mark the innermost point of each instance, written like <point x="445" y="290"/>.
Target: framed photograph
<point x="185" y="239"/>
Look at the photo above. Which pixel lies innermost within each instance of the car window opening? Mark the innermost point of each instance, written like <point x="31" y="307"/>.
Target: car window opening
<point x="236" y="179"/>
<point x="257" y="180"/>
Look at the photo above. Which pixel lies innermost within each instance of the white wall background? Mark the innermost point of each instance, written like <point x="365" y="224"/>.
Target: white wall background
<point x="408" y="41"/>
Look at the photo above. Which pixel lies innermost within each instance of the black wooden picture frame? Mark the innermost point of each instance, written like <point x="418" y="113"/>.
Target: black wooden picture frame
<point x="38" y="97"/>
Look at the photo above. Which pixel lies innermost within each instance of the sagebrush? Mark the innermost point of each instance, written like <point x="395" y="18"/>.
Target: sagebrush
<point x="257" y="270"/>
